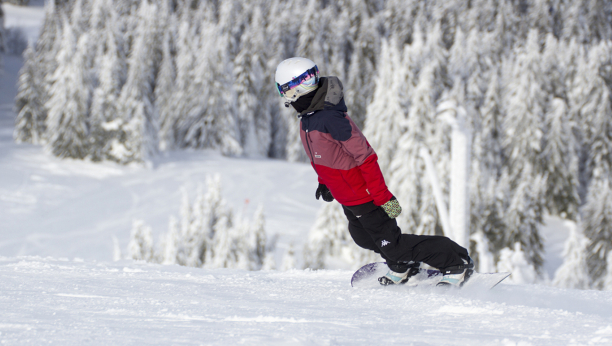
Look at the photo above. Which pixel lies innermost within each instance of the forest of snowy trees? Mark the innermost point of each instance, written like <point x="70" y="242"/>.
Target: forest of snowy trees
<point x="123" y="80"/>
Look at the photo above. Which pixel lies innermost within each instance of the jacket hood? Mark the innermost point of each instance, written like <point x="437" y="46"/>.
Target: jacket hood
<point x="329" y="96"/>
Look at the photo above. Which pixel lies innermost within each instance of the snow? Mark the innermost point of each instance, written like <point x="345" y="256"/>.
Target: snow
<point x="29" y="19"/>
<point x="60" y="285"/>
<point x="46" y="300"/>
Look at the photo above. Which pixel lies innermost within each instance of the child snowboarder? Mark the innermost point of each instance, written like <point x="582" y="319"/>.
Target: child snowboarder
<point x="348" y="171"/>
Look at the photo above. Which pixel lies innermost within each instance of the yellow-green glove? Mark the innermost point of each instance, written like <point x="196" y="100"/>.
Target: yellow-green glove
<point x="392" y="208"/>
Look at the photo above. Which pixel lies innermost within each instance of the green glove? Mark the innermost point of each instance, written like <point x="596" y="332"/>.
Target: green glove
<point x="392" y="208"/>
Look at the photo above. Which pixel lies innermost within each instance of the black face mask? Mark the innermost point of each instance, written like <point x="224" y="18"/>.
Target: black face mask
<point x="303" y="102"/>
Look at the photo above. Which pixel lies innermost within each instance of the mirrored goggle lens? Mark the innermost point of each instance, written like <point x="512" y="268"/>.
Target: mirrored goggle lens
<point x="311" y="73"/>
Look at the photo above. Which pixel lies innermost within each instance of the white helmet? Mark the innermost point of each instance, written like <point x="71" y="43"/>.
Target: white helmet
<point x="296" y="77"/>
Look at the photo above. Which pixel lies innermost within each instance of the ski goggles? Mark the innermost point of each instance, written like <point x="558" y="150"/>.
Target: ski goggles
<point x="297" y="81"/>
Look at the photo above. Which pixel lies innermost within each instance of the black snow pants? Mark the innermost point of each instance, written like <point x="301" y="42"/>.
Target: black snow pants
<point x="376" y="231"/>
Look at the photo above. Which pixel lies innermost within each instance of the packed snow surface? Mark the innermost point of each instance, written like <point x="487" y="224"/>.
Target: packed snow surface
<point x="76" y="302"/>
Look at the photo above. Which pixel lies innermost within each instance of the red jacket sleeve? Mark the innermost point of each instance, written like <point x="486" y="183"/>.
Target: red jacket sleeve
<point x="375" y="181"/>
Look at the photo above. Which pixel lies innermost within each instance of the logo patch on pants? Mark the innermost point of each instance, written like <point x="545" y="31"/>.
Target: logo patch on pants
<point x="384" y="243"/>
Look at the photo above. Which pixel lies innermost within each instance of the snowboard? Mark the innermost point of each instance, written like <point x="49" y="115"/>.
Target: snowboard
<point x="367" y="277"/>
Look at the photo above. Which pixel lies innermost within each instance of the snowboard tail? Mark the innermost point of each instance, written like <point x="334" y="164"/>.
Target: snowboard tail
<point x="367" y="277"/>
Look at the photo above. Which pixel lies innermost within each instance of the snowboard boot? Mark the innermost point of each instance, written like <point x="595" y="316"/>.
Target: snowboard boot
<point x="399" y="273"/>
<point x="456" y="276"/>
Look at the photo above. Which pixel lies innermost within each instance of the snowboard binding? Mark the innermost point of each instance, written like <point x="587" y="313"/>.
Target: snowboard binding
<point x="397" y="277"/>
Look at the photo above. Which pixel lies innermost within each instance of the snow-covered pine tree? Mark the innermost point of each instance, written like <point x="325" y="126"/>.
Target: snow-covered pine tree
<point x="288" y="261"/>
<point x="105" y="122"/>
<point x="514" y="260"/>
<point x="209" y="113"/>
<point x="249" y="73"/>
<point x="597" y="211"/>
<point x="197" y="224"/>
<point x="561" y="154"/>
<point x="596" y="225"/>
<point x="524" y="108"/>
<point x="523" y="217"/>
<point x="164" y="90"/>
<point x="223" y="254"/>
<point x="69" y="99"/>
<point x="30" y="121"/>
<point x="140" y="246"/>
<point x="280" y="34"/>
<point x="596" y="109"/>
<point x="310" y="40"/>
<point x="337" y="36"/>
<point x="139" y="127"/>
<point x="46" y="49"/>
<point x="386" y="115"/>
<point x="398" y="22"/>
<point x="407" y="171"/>
<point x="561" y="146"/>
<point x="232" y="18"/>
<point x="363" y="64"/>
<point x="177" y="120"/>
<point x="524" y="103"/>
<point x="573" y="273"/>
<point x="256" y="240"/>
<point x="487" y="157"/>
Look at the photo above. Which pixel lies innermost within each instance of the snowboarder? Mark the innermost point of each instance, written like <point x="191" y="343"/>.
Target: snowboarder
<point x="348" y="172"/>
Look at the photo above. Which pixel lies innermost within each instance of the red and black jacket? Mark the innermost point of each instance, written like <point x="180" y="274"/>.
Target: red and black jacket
<point x="340" y="154"/>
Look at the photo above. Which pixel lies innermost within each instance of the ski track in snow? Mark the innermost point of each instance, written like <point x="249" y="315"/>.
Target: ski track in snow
<point x="75" y="302"/>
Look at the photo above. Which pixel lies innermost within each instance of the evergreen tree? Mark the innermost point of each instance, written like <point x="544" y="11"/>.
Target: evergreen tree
<point x="69" y="99"/>
<point x="222" y="130"/>
<point x="407" y="174"/>
<point x="42" y="63"/>
<point x="164" y="90"/>
<point x="138" y="134"/>
<point x="281" y="35"/>
<point x="362" y="68"/>
<point x="523" y="217"/>
<point x="256" y="240"/>
<point x="30" y="121"/>
<point x="514" y="261"/>
<point x="182" y="98"/>
<point x="105" y="122"/>
<point x="288" y="260"/>
<point x="524" y="107"/>
<point x="310" y="38"/>
<point x="249" y="72"/>
<point x="597" y="227"/>
<point x="573" y="273"/>
<point x="560" y="153"/>
<point x="386" y="115"/>
<point x="140" y="247"/>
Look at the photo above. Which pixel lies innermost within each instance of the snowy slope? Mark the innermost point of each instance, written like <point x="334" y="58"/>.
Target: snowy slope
<point x="75" y="302"/>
